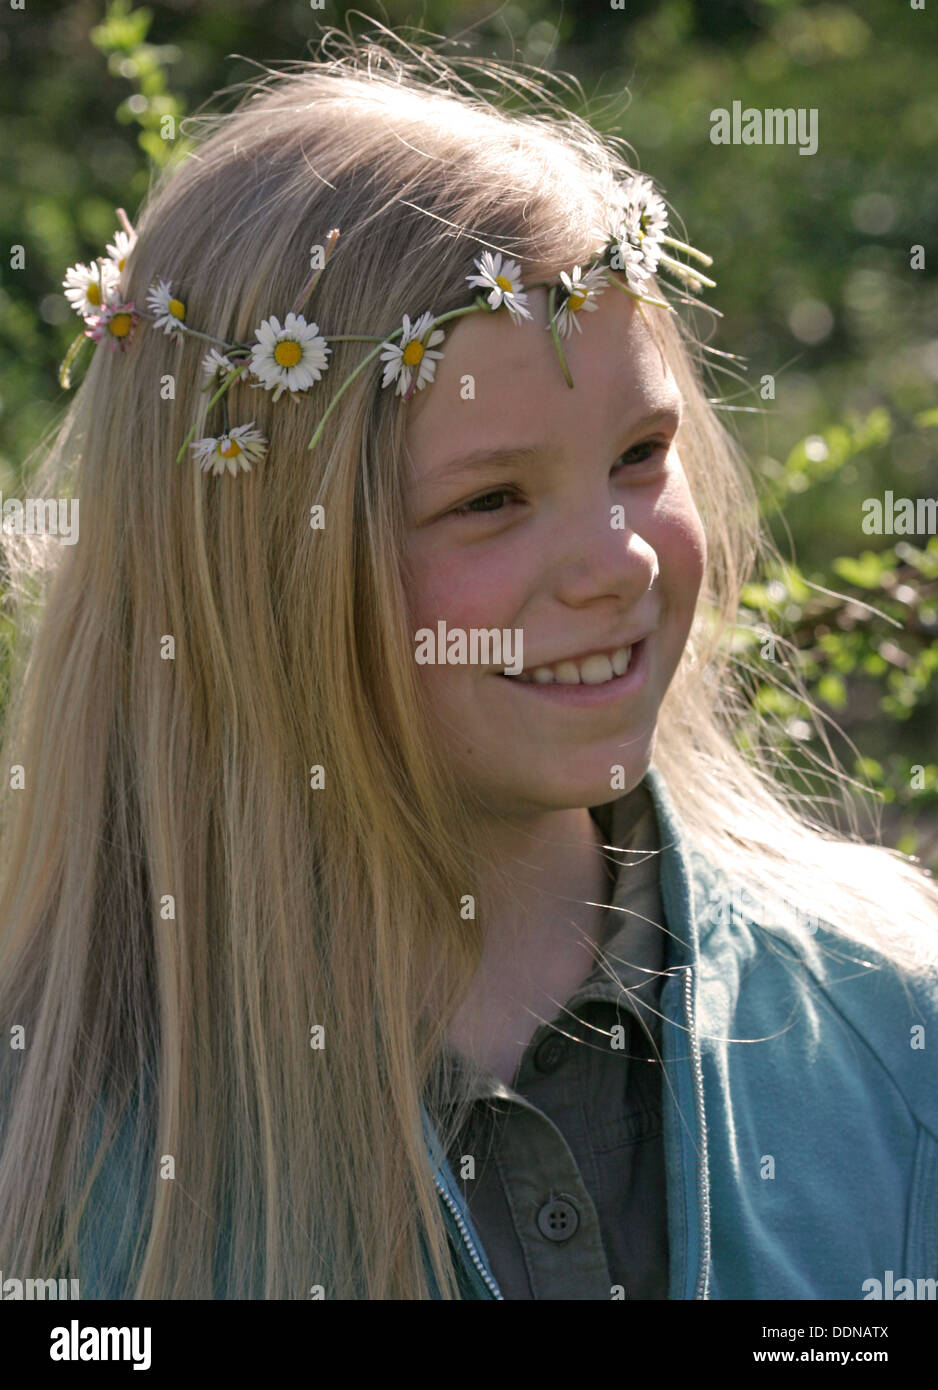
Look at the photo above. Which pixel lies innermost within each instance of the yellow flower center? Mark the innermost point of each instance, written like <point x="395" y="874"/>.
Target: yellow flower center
<point x="121" y="263"/>
<point x="120" y="325"/>
<point x="230" y="450"/>
<point x="413" y="353"/>
<point x="287" y="353"/>
<point x="504" y="283"/>
<point x="93" y="293"/>
<point x="576" y="300"/>
<point x="177" y="308"/>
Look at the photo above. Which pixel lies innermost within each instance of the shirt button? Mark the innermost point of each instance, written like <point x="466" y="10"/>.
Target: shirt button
<point x="557" y="1220"/>
<point x="551" y="1052"/>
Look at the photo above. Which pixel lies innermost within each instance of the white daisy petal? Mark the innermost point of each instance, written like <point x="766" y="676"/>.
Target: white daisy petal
<point x="90" y="288"/>
<point x="216" y="362"/>
<point x="628" y="258"/>
<point x="288" y="357"/>
<point x="643" y="224"/>
<point x="168" y="311"/>
<point x="411" y="361"/>
<point x="580" y="292"/>
<point x="234" y="451"/>
<point x="502" y="278"/>
<point x="120" y="248"/>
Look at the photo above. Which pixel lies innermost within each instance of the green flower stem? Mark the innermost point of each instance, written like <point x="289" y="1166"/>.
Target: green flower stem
<point x="644" y="298"/>
<point x="207" y="337"/>
<point x="685" y="272"/>
<point x="480" y="304"/>
<point x="68" y="361"/>
<point x="688" y="297"/>
<point x="688" y="250"/>
<point x="369" y="357"/>
<point x="556" y="336"/>
<point x="226" y="384"/>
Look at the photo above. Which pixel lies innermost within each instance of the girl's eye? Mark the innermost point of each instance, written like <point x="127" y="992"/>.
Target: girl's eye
<point x="650" y="446"/>
<point x="478" y="504"/>
<point x="639" y="453"/>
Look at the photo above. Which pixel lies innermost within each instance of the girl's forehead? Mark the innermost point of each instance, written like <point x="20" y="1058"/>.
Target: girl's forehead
<point x="499" y="377"/>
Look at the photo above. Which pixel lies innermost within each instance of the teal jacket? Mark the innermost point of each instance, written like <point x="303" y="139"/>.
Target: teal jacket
<point x="800" y="1104"/>
<point x="800" y="1111"/>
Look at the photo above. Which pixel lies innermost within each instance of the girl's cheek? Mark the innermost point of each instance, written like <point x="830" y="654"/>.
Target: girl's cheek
<point x="462" y="587"/>
<point x="679" y="533"/>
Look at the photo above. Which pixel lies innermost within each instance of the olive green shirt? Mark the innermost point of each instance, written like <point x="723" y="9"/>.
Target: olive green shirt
<point x="569" y="1195"/>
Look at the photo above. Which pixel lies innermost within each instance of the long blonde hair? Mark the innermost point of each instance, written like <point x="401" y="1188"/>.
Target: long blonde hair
<point x="179" y="905"/>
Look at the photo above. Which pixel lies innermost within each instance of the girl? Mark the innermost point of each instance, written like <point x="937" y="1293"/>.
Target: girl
<point x="334" y="962"/>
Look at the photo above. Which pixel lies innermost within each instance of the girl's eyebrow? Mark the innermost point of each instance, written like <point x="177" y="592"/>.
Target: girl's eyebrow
<point x="498" y="458"/>
<point x="532" y="453"/>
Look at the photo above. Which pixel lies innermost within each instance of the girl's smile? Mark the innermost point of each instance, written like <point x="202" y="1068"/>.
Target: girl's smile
<point x="567" y="688"/>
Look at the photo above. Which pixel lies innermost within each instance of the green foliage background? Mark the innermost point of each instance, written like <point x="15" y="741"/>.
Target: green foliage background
<point x="812" y="255"/>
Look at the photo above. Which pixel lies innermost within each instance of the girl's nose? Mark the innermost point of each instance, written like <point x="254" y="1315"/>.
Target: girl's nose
<point x="600" y="553"/>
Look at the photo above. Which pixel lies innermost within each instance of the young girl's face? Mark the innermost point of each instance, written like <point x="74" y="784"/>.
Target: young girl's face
<point x="537" y="542"/>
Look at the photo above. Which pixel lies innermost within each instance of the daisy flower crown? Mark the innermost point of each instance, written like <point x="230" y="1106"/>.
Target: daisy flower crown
<point x="292" y="356"/>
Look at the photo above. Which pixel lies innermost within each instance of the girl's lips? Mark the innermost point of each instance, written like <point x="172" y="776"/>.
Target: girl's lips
<point x="589" y="695"/>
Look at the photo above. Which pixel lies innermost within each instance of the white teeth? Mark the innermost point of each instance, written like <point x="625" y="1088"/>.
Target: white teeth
<point x="621" y="660"/>
<point x="566" y="673"/>
<point x="591" y="670"/>
<point x="595" y="669"/>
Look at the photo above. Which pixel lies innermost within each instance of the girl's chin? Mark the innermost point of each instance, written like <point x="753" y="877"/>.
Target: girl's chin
<point x="571" y="786"/>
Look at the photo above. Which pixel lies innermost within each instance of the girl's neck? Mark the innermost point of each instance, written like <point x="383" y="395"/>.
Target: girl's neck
<point x="537" y="938"/>
<point x="550" y="865"/>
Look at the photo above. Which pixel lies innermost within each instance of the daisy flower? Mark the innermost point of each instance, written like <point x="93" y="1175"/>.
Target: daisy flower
<point x="503" y="279"/>
<point x="639" y="194"/>
<point x="581" y="291"/>
<point x="649" y="247"/>
<point x="120" y="248"/>
<point x="412" y="361"/>
<point x="88" y="288"/>
<point x="237" y="449"/>
<point x="169" y="312"/>
<point x="290" y="358"/>
<point x="215" y="362"/>
<point x="644" y="224"/>
<point x="114" y="325"/>
<point x="625" y="256"/>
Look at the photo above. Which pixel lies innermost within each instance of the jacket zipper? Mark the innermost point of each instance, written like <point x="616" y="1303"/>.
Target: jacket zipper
<point x="700" y="1290"/>
<point x="469" y="1242"/>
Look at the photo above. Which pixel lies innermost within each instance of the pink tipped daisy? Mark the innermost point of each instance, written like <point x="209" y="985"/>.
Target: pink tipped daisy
<point x="114" y="325"/>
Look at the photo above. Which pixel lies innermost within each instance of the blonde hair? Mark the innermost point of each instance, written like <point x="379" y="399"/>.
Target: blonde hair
<point x="178" y="907"/>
